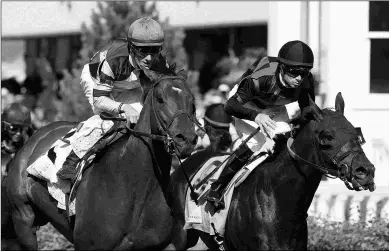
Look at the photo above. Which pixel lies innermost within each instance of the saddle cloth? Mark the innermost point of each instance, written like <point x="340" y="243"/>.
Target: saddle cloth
<point x="201" y="216"/>
<point x="47" y="165"/>
<point x="46" y="168"/>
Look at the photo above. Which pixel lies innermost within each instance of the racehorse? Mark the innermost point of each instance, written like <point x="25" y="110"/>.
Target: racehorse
<point x="269" y="209"/>
<point x="121" y="202"/>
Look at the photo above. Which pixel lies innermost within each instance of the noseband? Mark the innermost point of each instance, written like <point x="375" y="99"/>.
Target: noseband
<point x="342" y="162"/>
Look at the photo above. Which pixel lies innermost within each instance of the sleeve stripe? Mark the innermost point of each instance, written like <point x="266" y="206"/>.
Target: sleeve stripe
<point x="99" y="93"/>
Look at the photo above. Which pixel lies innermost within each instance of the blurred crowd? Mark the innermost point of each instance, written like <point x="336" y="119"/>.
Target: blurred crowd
<point x="213" y="83"/>
<point x="49" y="95"/>
<point x="56" y="95"/>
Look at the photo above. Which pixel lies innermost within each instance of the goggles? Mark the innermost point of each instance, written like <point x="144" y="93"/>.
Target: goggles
<point x="143" y="51"/>
<point x="12" y="128"/>
<point x="296" y="71"/>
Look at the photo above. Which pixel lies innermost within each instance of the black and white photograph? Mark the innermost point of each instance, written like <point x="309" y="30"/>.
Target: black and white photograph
<point x="194" y="125"/>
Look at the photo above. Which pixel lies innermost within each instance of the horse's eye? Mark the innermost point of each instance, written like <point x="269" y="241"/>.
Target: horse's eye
<point x="159" y="99"/>
<point x="326" y="138"/>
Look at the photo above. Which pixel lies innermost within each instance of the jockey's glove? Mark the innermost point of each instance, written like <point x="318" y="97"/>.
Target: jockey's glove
<point x="131" y="114"/>
<point x="266" y="124"/>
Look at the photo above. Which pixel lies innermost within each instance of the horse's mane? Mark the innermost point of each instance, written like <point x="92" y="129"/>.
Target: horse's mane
<point x="281" y="139"/>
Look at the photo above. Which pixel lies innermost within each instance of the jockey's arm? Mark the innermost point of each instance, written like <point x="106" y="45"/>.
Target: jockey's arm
<point x="246" y="92"/>
<point x="235" y="105"/>
<point x="102" y="100"/>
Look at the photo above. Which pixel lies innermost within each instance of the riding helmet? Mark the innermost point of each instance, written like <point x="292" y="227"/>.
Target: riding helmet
<point x="296" y="53"/>
<point x="145" y="32"/>
<point x="217" y="117"/>
<point x="17" y="114"/>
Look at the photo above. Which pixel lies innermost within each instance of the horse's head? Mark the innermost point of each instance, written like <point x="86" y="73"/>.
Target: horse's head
<point x="339" y="146"/>
<point x="173" y="107"/>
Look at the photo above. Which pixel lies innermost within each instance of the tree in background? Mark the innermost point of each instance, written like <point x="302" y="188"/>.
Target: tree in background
<point x="112" y="20"/>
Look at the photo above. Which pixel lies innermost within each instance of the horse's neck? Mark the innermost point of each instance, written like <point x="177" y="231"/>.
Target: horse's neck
<point x="305" y="147"/>
<point x="150" y="154"/>
<point x="293" y="183"/>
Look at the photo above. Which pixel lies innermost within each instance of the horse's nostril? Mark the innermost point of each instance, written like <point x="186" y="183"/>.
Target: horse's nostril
<point x="181" y="137"/>
<point x="361" y="172"/>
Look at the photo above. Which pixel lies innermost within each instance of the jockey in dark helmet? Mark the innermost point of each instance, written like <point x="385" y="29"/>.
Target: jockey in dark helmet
<point x="16" y="128"/>
<point x="282" y="82"/>
<point x="111" y="80"/>
<point x="217" y="125"/>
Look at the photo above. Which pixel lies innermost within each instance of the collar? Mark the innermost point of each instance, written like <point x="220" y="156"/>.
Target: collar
<point x="136" y="70"/>
<point x="131" y="62"/>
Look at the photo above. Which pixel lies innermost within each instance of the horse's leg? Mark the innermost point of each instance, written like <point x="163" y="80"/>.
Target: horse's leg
<point x="10" y="244"/>
<point x="9" y="240"/>
<point x="23" y="217"/>
<point x="42" y="200"/>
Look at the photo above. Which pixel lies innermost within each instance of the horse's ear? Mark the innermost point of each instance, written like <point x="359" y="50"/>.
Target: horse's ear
<point x="339" y="103"/>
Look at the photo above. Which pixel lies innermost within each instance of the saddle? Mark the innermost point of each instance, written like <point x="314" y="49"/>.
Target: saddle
<point x="114" y="133"/>
<point x="117" y="130"/>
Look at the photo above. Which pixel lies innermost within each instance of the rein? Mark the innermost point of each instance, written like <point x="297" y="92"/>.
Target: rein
<point x="166" y="138"/>
<point x="169" y="142"/>
<point x="343" y="171"/>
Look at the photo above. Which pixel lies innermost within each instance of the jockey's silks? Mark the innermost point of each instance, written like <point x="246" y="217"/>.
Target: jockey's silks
<point x="262" y="87"/>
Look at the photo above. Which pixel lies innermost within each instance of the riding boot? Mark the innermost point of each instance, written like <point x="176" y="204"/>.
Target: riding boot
<point x="68" y="170"/>
<point x="236" y="162"/>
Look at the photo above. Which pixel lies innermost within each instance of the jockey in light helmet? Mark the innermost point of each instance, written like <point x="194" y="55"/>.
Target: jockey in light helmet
<point x="111" y="79"/>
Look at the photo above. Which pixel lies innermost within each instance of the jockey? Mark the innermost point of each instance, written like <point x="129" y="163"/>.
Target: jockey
<point x="217" y="125"/>
<point x="111" y="79"/>
<point x="16" y="128"/>
<point x="282" y="83"/>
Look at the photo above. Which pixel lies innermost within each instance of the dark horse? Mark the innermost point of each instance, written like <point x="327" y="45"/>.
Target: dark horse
<point x="269" y="209"/>
<point x="121" y="201"/>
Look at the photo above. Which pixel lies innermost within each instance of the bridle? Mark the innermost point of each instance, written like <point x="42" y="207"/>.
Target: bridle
<point x="341" y="161"/>
<point x="169" y="141"/>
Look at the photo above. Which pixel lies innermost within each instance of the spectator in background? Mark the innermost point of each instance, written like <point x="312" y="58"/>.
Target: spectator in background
<point x="16" y="128"/>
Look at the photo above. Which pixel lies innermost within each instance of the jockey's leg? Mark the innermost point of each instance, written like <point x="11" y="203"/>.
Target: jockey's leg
<point x="85" y="137"/>
<point x="23" y="218"/>
<point x="237" y="161"/>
